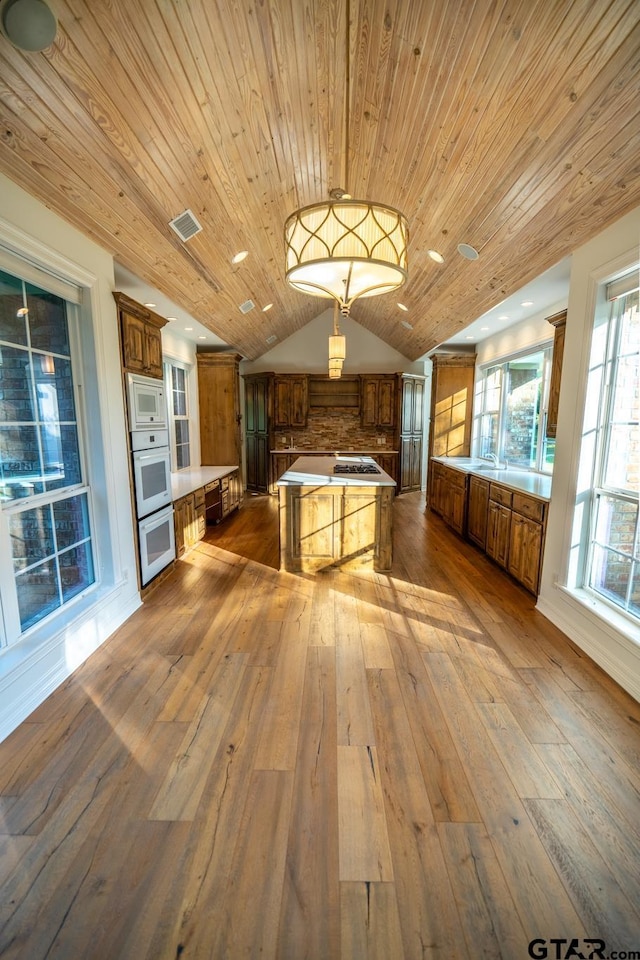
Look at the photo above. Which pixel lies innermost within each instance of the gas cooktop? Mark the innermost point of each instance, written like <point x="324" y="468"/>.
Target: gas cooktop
<point x="355" y="468"/>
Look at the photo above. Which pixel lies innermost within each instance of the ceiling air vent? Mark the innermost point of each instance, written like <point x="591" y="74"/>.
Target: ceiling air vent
<point x="185" y="225"/>
<point x="246" y="306"/>
<point x="271" y="339"/>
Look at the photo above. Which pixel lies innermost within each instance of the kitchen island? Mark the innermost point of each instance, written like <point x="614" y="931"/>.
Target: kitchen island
<point x="335" y="511"/>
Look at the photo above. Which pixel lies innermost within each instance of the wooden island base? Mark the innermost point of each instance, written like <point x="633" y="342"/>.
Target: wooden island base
<point x="330" y="524"/>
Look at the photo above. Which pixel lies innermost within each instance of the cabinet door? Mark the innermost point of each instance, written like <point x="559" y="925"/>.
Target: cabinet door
<point x="416" y="463"/>
<point x="252" y="444"/>
<point x="179" y="513"/>
<point x="525" y="550"/>
<point x="220" y="417"/>
<point x="457" y="507"/>
<point x="386" y="406"/>
<point x="407" y="406"/>
<point x="435" y="491"/>
<point x="282" y="402"/>
<point x="153" y="351"/>
<point x="418" y="405"/>
<point x="133" y="343"/>
<point x="369" y="402"/>
<point x="406" y="463"/>
<point x="498" y="530"/>
<point x="299" y="402"/>
<point x="477" y="512"/>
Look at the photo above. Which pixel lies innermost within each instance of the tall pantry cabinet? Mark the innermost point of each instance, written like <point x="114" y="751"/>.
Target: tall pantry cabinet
<point x="220" y="415"/>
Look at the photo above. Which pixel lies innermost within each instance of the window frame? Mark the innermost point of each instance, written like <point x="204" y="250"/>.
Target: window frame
<point x="479" y="412"/>
<point x="599" y="489"/>
<point x="172" y="418"/>
<point x="11" y="632"/>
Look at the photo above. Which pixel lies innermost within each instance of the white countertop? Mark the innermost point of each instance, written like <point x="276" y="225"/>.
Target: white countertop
<point x="317" y="471"/>
<point x="186" y="481"/>
<point x="348" y="452"/>
<point x="522" y="481"/>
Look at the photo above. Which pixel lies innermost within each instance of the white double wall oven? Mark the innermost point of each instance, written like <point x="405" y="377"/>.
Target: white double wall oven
<point x="151" y="474"/>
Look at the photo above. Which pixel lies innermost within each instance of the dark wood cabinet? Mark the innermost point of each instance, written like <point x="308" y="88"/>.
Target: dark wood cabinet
<point x="477" y="510"/>
<point x="389" y="463"/>
<point x="498" y="530"/>
<point x="526" y="540"/>
<point x="411" y="420"/>
<point x="449" y="496"/>
<point x="291" y="401"/>
<point x="258" y="424"/>
<point x="140" y="337"/>
<point x="451" y="409"/>
<point x="377" y="400"/>
<point x="220" y="417"/>
<point x="559" y="322"/>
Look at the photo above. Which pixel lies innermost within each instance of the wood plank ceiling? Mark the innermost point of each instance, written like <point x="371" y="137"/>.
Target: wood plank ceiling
<point x="511" y="125"/>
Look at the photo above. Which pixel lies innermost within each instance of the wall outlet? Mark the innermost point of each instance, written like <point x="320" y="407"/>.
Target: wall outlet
<point x="380" y="441"/>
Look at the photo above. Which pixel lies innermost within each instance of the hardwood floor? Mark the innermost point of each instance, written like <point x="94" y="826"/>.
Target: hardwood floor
<point x="334" y="767"/>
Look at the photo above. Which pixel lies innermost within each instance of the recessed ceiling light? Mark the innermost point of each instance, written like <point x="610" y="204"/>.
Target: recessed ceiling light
<point x="405" y="323"/>
<point x="483" y="328"/>
<point x="503" y="317"/>
<point x="189" y="329"/>
<point x="239" y="257"/>
<point x="469" y="338"/>
<point x="266" y="307"/>
<point x="403" y="307"/>
<point x="467" y="251"/>
<point x="202" y="338"/>
<point x="172" y="318"/>
<point x="436" y="256"/>
<point x="151" y="305"/>
<point x="527" y="303"/>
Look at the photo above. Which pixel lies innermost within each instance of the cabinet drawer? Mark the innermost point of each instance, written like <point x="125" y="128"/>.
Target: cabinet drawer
<point x="528" y="507"/>
<point x="500" y="495"/>
<point x="456" y="480"/>
<point x="224" y="483"/>
<point x="199" y="497"/>
<point x="212" y="485"/>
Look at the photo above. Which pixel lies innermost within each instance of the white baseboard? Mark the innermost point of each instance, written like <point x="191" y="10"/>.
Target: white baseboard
<point x="29" y="673"/>
<point x="617" y="653"/>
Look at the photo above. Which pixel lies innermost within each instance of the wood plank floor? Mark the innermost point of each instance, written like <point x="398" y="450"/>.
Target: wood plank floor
<point x="333" y="767"/>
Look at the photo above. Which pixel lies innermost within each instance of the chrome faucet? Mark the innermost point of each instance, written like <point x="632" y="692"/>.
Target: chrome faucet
<point x="493" y="456"/>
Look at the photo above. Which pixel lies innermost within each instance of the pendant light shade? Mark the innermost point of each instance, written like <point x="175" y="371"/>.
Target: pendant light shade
<point x="335" y="369"/>
<point x="346" y="249"/>
<point x="337" y="347"/>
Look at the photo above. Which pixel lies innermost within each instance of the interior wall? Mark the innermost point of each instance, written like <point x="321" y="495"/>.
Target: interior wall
<point x="31" y="668"/>
<point x="611" y="640"/>
<point x="532" y="332"/>
<point x="306" y="351"/>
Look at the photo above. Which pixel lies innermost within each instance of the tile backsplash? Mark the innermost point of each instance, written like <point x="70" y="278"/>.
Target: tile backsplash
<point x="335" y="429"/>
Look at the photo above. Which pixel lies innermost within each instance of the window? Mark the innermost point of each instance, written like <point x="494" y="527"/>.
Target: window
<point x="45" y="535"/>
<point x="179" y="416"/>
<point x="510" y="412"/>
<point x="613" y="560"/>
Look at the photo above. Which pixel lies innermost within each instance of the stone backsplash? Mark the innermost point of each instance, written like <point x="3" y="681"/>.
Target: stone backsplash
<point x="335" y="429"/>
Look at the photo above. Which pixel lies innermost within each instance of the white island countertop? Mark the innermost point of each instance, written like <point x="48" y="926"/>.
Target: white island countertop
<point x="522" y="481"/>
<point x="315" y="471"/>
<point x="186" y="481"/>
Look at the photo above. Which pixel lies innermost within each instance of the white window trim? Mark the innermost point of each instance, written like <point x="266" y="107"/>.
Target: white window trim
<point x="541" y="347"/>
<point x="191" y="398"/>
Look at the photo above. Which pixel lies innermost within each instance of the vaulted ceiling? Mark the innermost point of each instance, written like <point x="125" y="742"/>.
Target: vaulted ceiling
<point x="510" y="125"/>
